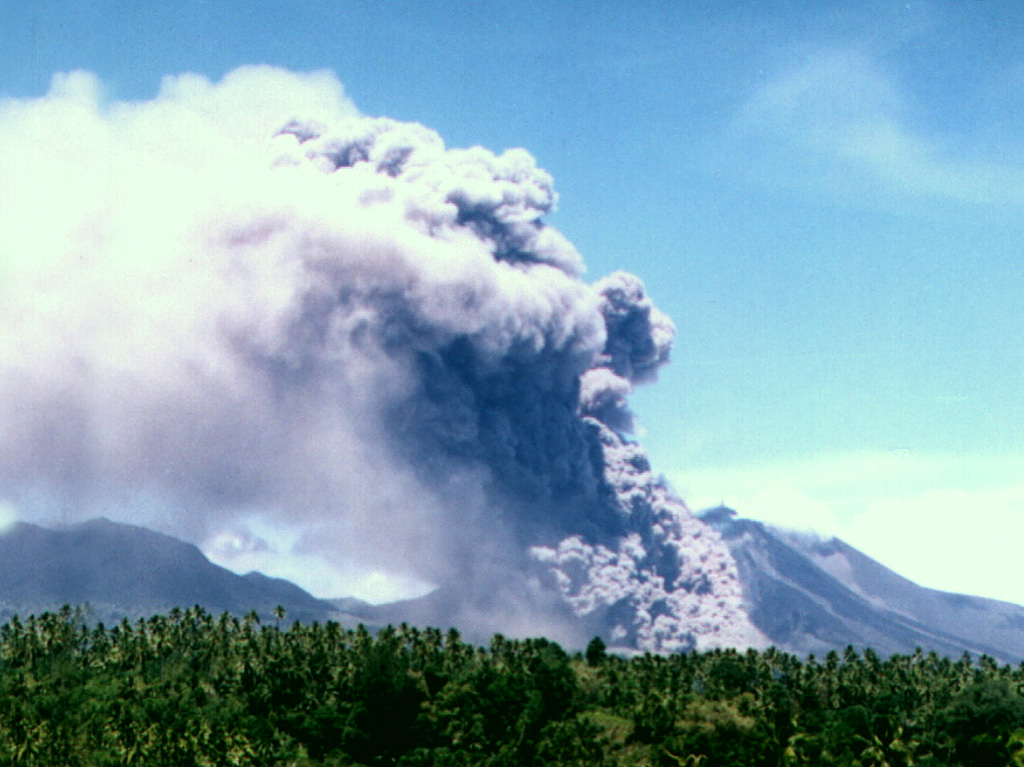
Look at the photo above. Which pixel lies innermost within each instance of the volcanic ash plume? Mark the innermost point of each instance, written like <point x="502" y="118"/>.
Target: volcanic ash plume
<point x="247" y="315"/>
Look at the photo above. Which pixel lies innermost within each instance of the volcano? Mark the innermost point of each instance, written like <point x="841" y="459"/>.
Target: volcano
<point x="804" y="594"/>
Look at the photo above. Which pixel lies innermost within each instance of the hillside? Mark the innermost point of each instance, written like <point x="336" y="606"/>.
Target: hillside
<point x="808" y="594"/>
<point x="123" y="570"/>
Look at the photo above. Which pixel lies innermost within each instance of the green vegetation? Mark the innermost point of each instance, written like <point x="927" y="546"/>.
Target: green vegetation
<point x="191" y="689"/>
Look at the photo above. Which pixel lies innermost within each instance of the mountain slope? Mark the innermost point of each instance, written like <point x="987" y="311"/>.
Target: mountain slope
<point x="123" y="570"/>
<point x="811" y="595"/>
<point x="805" y="594"/>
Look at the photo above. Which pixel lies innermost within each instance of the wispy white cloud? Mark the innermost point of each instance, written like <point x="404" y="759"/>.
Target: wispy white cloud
<point x="949" y="522"/>
<point x="841" y="118"/>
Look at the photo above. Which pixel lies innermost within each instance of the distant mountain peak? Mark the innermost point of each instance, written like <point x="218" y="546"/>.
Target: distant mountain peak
<point x="719" y="515"/>
<point x="810" y="593"/>
<point x="125" y="570"/>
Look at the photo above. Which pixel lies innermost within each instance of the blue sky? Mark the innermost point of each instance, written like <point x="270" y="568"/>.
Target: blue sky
<point x="825" y="197"/>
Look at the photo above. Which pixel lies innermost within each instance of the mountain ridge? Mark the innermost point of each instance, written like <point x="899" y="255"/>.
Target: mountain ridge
<point x="811" y="595"/>
<point x="806" y="594"/>
<point x="124" y="570"/>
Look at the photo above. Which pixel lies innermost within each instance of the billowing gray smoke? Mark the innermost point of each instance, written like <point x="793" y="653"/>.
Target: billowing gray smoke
<point x="328" y="346"/>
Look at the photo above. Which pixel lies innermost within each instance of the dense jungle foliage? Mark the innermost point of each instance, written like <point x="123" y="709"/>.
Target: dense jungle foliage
<point x="191" y="689"/>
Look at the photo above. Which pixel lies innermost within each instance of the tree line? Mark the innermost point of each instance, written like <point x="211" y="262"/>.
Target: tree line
<point x="190" y="688"/>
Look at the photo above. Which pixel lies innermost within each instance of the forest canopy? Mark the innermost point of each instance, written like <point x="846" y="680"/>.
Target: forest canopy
<point x="189" y="688"/>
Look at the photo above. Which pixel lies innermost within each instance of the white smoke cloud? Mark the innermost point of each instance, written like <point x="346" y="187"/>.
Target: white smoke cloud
<point x="245" y="314"/>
